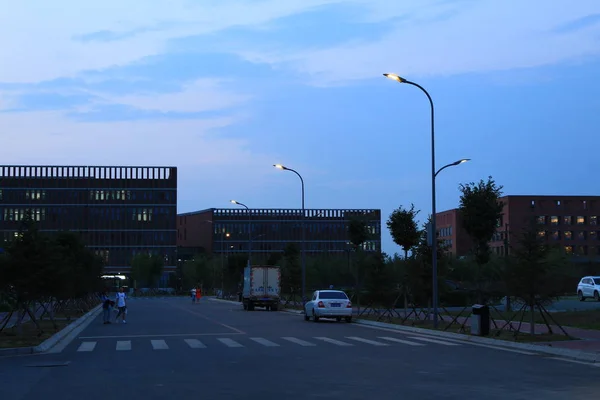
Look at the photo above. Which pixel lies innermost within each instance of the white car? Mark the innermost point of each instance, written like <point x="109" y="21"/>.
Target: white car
<point x="589" y="287"/>
<point x="328" y="304"/>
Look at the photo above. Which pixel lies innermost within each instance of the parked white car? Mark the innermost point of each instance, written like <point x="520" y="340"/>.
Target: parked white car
<point x="328" y="304"/>
<point x="589" y="287"/>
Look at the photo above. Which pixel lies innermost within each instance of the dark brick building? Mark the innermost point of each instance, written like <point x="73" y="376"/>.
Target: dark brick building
<point x="119" y="211"/>
<point x="567" y="221"/>
<point x="218" y="230"/>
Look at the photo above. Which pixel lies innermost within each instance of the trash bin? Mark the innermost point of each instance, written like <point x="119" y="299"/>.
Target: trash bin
<point x="480" y="320"/>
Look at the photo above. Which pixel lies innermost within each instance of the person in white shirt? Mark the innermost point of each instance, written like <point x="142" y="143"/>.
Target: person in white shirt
<point x="121" y="305"/>
<point x="193" y="292"/>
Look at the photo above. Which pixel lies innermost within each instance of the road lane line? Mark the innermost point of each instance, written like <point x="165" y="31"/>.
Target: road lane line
<point x="333" y="341"/>
<point x="391" y="339"/>
<point x="298" y="341"/>
<point x="123" y="345"/>
<point x="159" y="345"/>
<point x="229" y="342"/>
<point x="371" y="342"/>
<point x="264" y="342"/>
<point x="434" y="341"/>
<point x="87" y="346"/>
<point x="160" y="335"/>
<point x="194" y="343"/>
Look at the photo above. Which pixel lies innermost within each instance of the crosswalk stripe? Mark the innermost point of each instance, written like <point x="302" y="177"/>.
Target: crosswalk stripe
<point x="229" y="342"/>
<point x="333" y="341"/>
<point x="87" y="346"/>
<point x="123" y="345"/>
<point x="372" y="342"/>
<point x="434" y="341"/>
<point x="195" y="343"/>
<point x="264" y="342"/>
<point x="159" y="345"/>
<point x="391" y="339"/>
<point x="298" y="341"/>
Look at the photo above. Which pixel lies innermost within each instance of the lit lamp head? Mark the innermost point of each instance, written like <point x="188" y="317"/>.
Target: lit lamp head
<point x="395" y="77"/>
<point x="279" y="166"/>
<point x="464" y="160"/>
<point x="233" y="201"/>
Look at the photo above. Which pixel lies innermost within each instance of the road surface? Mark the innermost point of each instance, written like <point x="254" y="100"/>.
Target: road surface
<point x="173" y="349"/>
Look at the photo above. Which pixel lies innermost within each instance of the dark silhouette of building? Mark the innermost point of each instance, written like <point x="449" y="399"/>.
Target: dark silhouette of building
<point x="570" y="222"/>
<point x="119" y="211"/>
<point x="218" y="230"/>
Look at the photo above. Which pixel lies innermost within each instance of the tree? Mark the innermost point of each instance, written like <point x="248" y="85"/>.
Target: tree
<point x="358" y="234"/>
<point x="537" y="272"/>
<point x="379" y="280"/>
<point x="403" y="228"/>
<point x="291" y="268"/>
<point x="197" y="271"/>
<point x="146" y="269"/>
<point x="480" y="212"/>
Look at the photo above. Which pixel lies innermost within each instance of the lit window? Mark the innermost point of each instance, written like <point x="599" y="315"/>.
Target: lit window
<point x="580" y="220"/>
<point x="541" y="220"/>
<point x="542" y="234"/>
<point x="568" y="235"/>
<point x="554" y="220"/>
<point x="569" y="249"/>
<point x="593" y="220"/>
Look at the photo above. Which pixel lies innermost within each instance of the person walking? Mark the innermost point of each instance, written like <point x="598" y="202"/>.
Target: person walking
<point x="121" y="305"/>
<point x="193" y="291"/>
<point x="106" y="307"/>
<point x="198" y="294"/>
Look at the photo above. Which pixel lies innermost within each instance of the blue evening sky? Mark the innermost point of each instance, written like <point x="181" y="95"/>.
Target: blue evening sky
<point x="224" y="89"/>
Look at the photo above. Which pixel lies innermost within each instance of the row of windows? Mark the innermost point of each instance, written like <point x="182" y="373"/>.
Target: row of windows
<point x="141" y="214"/>
<point x="312" y="227"/>
<point x="570" y="235"/>
<point x="296" y="213"/>
<point x="445" y="232"/>
<point x="281" y="245"/>
<point x="84" y="195"/>
<point x="583" y="203"/>
<point x="567" y="220"/>
<point x="120" y="238"/>
<point x="105" y="254"/>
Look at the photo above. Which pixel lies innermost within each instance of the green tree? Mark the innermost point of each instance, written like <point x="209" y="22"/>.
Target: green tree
<point x="537" y="272"/>
<point x="404" y="229"/>
<point x="146" y="269"/>
<point x="379" y="280"/>
<point x="358" y="234"/>
<point x="291" y="269"/>
<point x="480" y="212"/>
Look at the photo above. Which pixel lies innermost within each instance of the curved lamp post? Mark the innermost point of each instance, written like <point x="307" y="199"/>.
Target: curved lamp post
<point x="303" y="252"/>
<point x="399" y="79"/>
<point x="454" y="164"/>
<point x="249" y="229"/>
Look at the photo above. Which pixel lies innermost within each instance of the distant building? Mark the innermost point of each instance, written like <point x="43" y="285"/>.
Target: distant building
<point x="119" y="211"/>
<point x="567" y="221"/>
<point x="218" y="230"/>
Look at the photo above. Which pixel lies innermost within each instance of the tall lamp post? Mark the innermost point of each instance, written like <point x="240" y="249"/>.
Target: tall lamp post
<point x="434" y="173"/>
<point x="303" y="251"/>
<point x="249" y="229"/>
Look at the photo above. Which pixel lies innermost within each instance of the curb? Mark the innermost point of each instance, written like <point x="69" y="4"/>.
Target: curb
<point x="54" y="339"/>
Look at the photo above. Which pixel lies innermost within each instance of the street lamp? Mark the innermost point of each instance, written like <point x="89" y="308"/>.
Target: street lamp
<point x="303" y="251"/>
<point x="433" y="211"/>
<point x="249" y="229"/>
<point x="454" y="164"/>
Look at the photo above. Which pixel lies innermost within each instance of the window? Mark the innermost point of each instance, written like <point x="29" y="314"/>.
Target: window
<point x="581" y="250"/>
<point x="554" y="220"/>
<point x="568" y="235"/>
<point x="556" y="235"/>
<point x="581" y="235"/>
<point x="541" y="220"/>
<point x="541" y="234"/>
<point x="584" y="204"/>
<point x="333" y="295"/>
<point x="557" y="202"/>
<point x="593" y="235"/>
<point x="567" y="220"/>
<point x="580" y="220"/>
<point x="594" y="220"/>
<point x="569" y="249"/>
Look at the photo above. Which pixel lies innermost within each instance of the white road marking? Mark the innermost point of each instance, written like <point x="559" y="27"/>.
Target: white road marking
<point x="229" y="342"/>
<point x="159" y="345"/>
<point x="391" y="339"/>
<point x="168" y="335"/>
<point x="87" y="346"/>
<point x="333" y="341"/>
<point x="195" y="343"/>
<point x="123" y="345"/>
<point x="264" y="342"/>
<point x="298" y="341"/>
<point x="434" y="341"/>
<point x="371" y="342"/>
<point x="491" y="346"/>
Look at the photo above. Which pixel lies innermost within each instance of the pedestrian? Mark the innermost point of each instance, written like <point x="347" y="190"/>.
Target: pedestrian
<point x="106" y="307"/>
<point x="121" y="305"/>
<point x="193" y="291"/>
<point x="198" y="294"/>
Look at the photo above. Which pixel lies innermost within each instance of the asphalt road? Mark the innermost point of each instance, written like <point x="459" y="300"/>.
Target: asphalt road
<point x="171" y="349"/>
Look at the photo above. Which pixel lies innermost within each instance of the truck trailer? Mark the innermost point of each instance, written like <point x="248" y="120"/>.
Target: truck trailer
<point x="262" y="287"/>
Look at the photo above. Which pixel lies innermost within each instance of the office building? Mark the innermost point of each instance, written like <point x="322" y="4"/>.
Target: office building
<point x="218" y="230"/>
<point x="570" y="222"/>
<point x="119" y="211"/>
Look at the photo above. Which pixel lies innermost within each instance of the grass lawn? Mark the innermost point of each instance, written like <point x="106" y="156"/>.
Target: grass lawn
<point x="30" y="335"/>
<point x="589" y="319"/>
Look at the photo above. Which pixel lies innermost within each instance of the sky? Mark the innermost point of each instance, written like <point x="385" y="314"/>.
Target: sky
<point x="225" y="89"/>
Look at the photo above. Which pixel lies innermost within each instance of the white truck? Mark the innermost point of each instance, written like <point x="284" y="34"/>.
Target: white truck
<point x="262" y="287"/>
